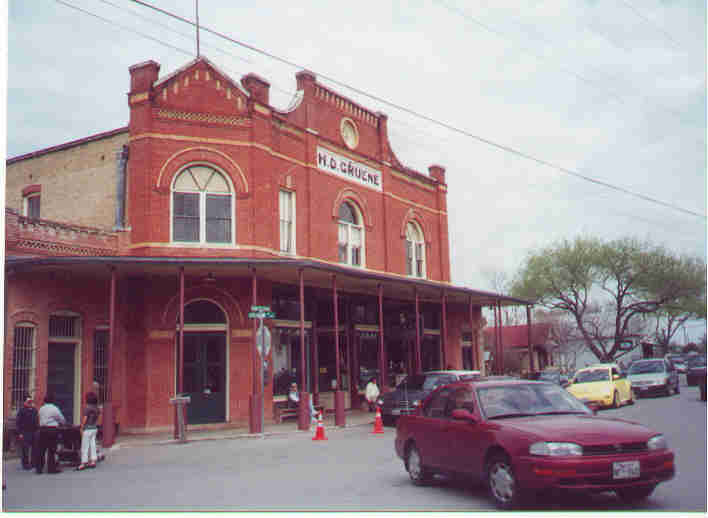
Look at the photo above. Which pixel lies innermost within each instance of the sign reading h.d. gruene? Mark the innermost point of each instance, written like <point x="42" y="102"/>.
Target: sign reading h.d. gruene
<point x="348" y="169"/>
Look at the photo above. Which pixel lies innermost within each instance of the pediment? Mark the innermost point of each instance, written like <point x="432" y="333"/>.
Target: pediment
<point x="200" y="87"/>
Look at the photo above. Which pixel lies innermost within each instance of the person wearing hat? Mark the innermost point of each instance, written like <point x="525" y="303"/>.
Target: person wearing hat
<point x="27" y="424"/>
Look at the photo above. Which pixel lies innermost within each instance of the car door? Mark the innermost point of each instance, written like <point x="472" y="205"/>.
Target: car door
<point x="464" y="440"/>
<point x="429" y="425"/>
<point x="622" y="384"/>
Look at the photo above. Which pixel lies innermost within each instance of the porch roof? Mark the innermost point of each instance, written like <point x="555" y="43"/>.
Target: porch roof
<point x="285" y="270"/>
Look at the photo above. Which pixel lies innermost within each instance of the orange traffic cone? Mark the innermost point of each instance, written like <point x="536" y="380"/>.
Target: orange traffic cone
<point x="319" y="433"/>
<point x="378" y="423"/>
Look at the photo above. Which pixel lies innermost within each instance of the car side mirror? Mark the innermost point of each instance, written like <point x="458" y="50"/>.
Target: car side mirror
<point x="615" y="376"/>
<point x="593" y="407"/>
<point x="463" y="415"/>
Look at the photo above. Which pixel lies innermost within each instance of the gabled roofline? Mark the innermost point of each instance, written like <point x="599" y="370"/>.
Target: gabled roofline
<point x="67" y="145"/>
<point x="181" y="69"/>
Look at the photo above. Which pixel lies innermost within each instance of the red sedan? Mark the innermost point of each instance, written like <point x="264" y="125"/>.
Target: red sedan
<point x="522" y="437"/>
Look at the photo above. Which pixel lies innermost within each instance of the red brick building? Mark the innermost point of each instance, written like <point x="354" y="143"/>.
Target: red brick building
<point x="209" y="202"/>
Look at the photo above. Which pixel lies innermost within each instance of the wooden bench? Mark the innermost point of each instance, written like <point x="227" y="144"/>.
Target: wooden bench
<point x="282" y="411"/>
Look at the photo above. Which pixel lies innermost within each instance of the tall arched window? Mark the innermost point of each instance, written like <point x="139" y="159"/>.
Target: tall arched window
<point x="415" y="251"/>
<point x="202" y="208"/>
<point x="351" y="235"/>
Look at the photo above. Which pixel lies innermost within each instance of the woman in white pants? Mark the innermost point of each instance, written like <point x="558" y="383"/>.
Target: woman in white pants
<point x="89" y="427"/>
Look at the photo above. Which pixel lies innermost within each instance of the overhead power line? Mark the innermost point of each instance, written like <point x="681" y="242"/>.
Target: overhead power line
<point x="654" y="25"/>
<point x="432" y="120"/>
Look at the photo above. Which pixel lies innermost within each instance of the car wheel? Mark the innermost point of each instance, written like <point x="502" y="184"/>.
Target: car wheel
<point x="668" y="389"/>
<point x="616" y="400"/>
<point x="414" y="465"/>
<point x="502" y="483"/>
<point x="678" y="389"/>
<point x="703" y="391"/>
<point x="634" y="494"/>
<point x="387" y="420"/>
<point x="631" y="397"/>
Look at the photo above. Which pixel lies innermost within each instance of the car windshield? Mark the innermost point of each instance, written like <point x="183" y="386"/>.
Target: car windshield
<point x="425" y="382"/>
<point x="592" y="375"/>
<point x="676" y="359"/>
<point x="696" y="361"/>
<point x="646" y="367"/>
<point x="528" y="400"/>
<point x="549" y="376"/>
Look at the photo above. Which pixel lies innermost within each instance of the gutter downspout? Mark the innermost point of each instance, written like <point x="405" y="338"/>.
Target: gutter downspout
<point x="121" y="173"/>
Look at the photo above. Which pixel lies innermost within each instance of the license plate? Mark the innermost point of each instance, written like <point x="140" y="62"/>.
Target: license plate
<point x="628" y="469"/>
<point x="396" y="411"/>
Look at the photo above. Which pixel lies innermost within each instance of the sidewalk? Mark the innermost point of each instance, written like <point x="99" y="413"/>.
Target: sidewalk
<point x="195" y="433"/>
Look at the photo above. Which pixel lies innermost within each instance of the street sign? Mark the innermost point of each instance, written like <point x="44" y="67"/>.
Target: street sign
<point x="263" y="340"/>
<point x="261" y="314"/>
<point x="260" y="308"/>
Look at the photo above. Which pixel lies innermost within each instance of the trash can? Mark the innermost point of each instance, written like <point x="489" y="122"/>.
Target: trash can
<point x="181" y="403"/>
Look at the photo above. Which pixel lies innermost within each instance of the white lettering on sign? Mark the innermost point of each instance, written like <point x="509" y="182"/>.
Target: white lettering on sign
<point x="348" y="169"/>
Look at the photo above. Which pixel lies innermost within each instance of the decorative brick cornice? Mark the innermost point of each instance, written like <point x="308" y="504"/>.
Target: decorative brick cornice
<point x="211" y="118"/>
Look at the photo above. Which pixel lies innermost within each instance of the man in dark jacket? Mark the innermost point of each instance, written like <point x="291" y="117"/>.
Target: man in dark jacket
<point x="27" y="424"/>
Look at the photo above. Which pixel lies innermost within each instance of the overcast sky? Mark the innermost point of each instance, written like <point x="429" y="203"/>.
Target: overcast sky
<point x="614" y="91"/>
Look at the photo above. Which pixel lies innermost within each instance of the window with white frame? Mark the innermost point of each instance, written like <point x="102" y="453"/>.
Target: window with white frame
<point x="202" y="208"/>
<point x="287" y="221"/>
<point x="415" y="251"/>
<point x="23" y="363"/>
<point x="31" y="205"/>
<point x="351" y="235"/>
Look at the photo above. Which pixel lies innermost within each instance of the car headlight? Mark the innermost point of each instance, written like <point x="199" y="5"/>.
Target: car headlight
<point x="556" y="449"/>
<point x="658" y="442"/>
<point x="416" y="402"/>
<point x="379" y="402"/>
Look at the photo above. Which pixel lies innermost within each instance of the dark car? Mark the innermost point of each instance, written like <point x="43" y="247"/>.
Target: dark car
<point x="679" y="361"/>
<point x="554" y="376"/>
<point x="414" y="388"/>
<point x="696" y="373"/>
<point x="524" y="437"/>
<point x="653" y="376"/>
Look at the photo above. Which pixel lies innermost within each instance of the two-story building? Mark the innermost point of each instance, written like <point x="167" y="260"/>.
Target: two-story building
<point x="134" y="257"/>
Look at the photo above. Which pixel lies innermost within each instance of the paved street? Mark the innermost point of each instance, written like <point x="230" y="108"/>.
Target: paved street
<point x="354" y="470"/>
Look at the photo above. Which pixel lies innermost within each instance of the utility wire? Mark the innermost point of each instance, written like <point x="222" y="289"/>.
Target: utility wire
<point x="655" y="26"/>
<point x="427" y="118"/>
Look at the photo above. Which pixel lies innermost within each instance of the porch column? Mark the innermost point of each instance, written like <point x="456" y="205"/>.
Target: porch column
<point x="382" y="358"/>
<point x="180" y="355"/>
<point x="528" y="330"/>
<point x="443" y="338"/>
<point x="256" y="399"/>
<point x="303" y="410"/>
<point x="501" y="334"/>
<point x="109" y="427"/>
<point x="474" y="336"/>
<point x="419" y="363"/>
<point x="315" y="354"/>
<point x="496" y="339"/>
<point x="339" y="417"/>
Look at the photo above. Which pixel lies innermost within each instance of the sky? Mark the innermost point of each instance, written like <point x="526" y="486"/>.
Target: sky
<point x="554" y="119"/>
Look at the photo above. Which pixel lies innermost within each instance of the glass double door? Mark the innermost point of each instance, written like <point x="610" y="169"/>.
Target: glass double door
<point x="204" y="365"/>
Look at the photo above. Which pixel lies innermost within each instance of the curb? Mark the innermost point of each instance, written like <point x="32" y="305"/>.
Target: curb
<point x="263" y="435"/>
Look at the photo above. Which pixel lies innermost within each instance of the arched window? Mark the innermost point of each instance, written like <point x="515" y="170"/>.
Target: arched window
<point x="23" y="363"/>
<point x="202" y="208"/>
<point x="351" y="235"/>
<point x="415" y="251"/>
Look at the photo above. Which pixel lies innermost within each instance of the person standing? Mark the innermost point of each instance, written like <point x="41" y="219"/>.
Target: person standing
<point x="27" y="423"/>
<point x="371" y="394"/>
<point x="89" y="427"/>
<point x="50" y="419"/>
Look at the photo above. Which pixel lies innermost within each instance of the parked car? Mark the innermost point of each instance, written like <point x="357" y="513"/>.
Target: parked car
<point x="521" y="437"/>
<point x="602" y="384"/>
<point x="696" y="373"/>
<point x="654" y="376"/>
<point x="679" y="362"/>
<point x="408" y="394"/>
<point x="553" y="376"/>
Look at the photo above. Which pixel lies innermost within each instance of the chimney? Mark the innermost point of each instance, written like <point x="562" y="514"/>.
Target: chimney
<point x="143" y="75"/>
<point x="437" y="172"/>
<point x="257" y="87"/>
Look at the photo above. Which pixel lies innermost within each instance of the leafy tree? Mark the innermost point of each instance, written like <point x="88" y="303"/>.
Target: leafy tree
<point x="610" y="288"/>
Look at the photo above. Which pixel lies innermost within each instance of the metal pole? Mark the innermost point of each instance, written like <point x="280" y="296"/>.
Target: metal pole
<point x="108" y="419"/>
<point x="473" y="336"/>
<point x="528" y="330"/>
<point x="263" y="363"/>
<point x="382" y="360"/>
<point x="443" y="341"/>
<point x="303" y="420"/>
<point x="197" y="24"/>
<point x="339" y="418"/>
<point x="419" y="364"/>
<point x="180" y="379"/>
